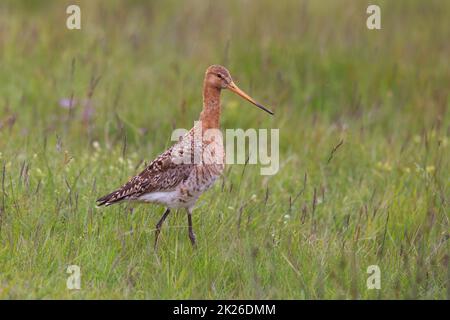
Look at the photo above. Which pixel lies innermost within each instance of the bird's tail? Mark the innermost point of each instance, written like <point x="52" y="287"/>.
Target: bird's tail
<point x="110" y="198"/>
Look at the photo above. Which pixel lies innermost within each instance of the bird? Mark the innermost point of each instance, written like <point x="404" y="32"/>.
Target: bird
<point x="177" y="177"/>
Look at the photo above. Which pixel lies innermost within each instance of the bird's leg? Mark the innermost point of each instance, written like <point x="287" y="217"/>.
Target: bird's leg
<point x="159" y="225"/>
<point x="191" y="231"/>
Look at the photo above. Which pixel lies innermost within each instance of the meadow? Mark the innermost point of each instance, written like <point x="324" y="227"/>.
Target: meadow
<point x="364" y="149"/>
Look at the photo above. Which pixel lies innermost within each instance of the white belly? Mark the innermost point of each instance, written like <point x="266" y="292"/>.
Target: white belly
<point x="186" y="194"/>
<point x="168" y="198"/>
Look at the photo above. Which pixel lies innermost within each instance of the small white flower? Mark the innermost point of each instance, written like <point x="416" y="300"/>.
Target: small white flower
<point x="96" y="145"/>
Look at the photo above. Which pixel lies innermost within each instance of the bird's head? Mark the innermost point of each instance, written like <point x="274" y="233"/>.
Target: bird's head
<point x="219" y="77"/>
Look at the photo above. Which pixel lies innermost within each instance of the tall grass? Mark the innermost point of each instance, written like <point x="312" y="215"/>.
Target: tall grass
<point x="82" y="111"/>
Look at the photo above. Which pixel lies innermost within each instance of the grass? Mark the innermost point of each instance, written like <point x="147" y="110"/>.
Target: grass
<point x="134" y="73"/>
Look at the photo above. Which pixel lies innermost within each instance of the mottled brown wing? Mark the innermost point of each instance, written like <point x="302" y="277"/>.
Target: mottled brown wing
<point x="160" y="175"/>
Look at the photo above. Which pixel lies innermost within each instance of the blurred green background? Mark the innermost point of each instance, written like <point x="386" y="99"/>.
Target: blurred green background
<point x="83" y="110"/>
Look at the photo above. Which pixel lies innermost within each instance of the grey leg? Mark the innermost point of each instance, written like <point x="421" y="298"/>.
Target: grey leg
<point x="191" y="231"/>
<point x="159" y="225"/>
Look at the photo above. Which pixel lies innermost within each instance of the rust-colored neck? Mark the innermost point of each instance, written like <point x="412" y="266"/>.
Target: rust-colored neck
<point x="210" y="116"/>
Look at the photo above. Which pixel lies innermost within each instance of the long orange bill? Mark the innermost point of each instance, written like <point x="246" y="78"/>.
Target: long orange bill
<point x="233" y="87"/>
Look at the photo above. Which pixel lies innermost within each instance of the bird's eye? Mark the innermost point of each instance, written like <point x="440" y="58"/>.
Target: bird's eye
<point x="220" y="76"/>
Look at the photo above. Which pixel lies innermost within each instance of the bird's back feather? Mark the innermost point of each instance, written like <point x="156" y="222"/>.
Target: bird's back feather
<point x="162" y="174"/>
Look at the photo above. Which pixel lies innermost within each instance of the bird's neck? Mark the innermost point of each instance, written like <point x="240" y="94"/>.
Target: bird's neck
<point x="210" y="115"/>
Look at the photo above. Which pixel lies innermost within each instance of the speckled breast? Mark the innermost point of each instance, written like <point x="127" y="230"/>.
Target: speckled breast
<point x="205" y="173"/>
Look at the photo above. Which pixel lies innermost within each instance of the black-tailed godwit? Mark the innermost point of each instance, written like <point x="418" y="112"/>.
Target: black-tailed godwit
<point x="170" y="180"/>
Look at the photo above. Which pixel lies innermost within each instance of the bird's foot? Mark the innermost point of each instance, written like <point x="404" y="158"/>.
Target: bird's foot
<point x="193" y="239"/>
<point x="157" y="232"/>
